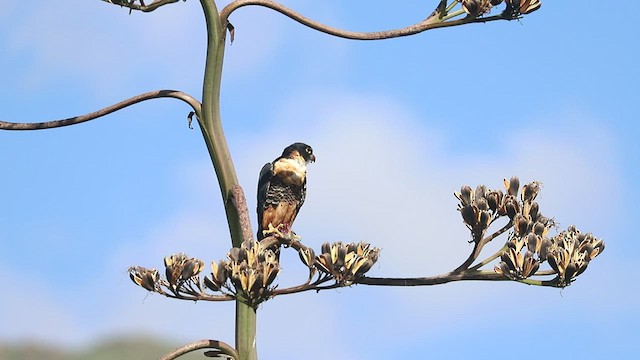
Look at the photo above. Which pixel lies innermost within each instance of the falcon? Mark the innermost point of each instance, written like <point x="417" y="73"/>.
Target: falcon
<point x="282" y="187"/>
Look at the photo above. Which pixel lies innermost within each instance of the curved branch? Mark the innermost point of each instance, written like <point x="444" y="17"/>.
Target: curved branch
<point x="432" y="22"/>
<point x="195" y="105"/>
<point x="477" y="248"/>
<point x="544" y="273"/>
<point x="130" y="4"/>
<point x="489" y="259"/>
<point x="432" y="280"/>
<point x="306" y="287"/>
<point x="202" y="344"/>
<point x="485" y="275"/>
<point x="200" y="297"/>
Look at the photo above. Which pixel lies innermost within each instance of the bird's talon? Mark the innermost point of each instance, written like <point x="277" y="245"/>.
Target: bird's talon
<point x="275" y="231"/>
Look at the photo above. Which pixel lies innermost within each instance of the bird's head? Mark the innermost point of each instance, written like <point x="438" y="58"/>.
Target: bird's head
<point x="299" y="151"/>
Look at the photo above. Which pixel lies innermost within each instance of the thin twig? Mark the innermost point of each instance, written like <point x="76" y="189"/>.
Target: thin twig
<point x="202" y="344"/>
<point x="544" y="272"/>
<point x="306" y="287"/>
<point x="200" y="297"/>
<point x="195" y="105"/>
<point x="477" y="248"/>
<point x="489" y="259"/>
<point x="431" y="22"/>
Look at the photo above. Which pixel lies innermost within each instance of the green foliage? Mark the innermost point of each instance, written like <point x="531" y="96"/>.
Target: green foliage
<point x="121" y="349"/>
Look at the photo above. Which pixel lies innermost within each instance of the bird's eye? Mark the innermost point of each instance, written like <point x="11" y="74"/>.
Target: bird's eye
<point x="308" y="150"/>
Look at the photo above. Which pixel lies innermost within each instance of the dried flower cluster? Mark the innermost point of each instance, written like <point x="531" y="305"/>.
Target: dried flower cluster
<point x="570" y="252"/>
<point x="528" y="246"/>
<point x="481" y="207"/>
<point x="346" y="262"/>
<point x="251" y="268"/>
<point x="247" y="275"/>
<point x="182" y="272"/>
<point x="182" y="276"/>
<point x="249" y="272"/>
<point x="513" y="8"/>
<point x="147" y="278"/>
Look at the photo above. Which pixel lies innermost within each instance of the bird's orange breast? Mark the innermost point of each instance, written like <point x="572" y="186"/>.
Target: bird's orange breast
<point x="283" y="213"/>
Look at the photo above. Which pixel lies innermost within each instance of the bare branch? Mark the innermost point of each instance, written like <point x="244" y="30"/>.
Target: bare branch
<point x="432" y="22"/>
<point x="432" y="280"/>
<point x="131" y="5"/>
<point x="202" y="344"/>
<point x="477" y="249"/>
<point x="195" y="105"/>
<point x="200" y="297"/>
<point x="544" y="273"/>
<point x="307" y="287"/>
<point x="489" y="259"/>
<point x="271" y="241"/>
<point x="486" y="275"/>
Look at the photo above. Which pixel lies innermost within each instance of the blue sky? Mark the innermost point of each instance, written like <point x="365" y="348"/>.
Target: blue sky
<point x="550" y="98"/>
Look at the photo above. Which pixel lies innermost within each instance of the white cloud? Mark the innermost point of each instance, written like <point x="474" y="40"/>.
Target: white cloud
<point x="382" y="176"/>
<point x="106" y="48"/>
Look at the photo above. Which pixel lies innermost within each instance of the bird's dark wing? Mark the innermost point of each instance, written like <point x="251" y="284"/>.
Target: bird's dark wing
<point x="264" y="182"/>
<point x="303" y="194"/>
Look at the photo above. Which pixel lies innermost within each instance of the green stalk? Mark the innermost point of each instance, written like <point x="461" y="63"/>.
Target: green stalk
<point x="211" y="125"/>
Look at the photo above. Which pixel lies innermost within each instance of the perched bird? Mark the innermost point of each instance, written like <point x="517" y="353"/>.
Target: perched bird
<point x="282" y="187"/>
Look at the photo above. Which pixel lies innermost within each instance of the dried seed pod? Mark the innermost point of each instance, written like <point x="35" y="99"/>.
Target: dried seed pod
<point x="271" y="270"/>
<point x="350" y="259"/>
<point x="530" y="265"/>
<point x="485" y="220"/>
<point x="530" y="191"/>
<point x="465" y="195"/>
<point x="534" y="242"/>
<point x="210" y="284"/>
<point x="174" y="265"/>
<point x="540" y="229"/>
<point x="534" y="211"/>
<point x="191" y="268"/>
<point x="470" y="215"/>
<point x="520" y="225"/>
<point x="471" y="7"/>
<point x="307" y="256"/>
<point x="503" y="269"/>
<point x="326" y="248"/>
<point x="363" y="248"/>
<point x="219" y="272"/>
<point x="511" y="206"/>
<point x="512" y="185"/>
<point x="494" y="200"/>
<point x="362" y="266"/>
<point x="323" y="263"/>
<point x="480" y="193"/>
<point x="146" y="278"/>
<point x="545" y="249"/>
<point x="235" y="254"/>
<point x="482" y="204"/>
<point x="517" y="7"/>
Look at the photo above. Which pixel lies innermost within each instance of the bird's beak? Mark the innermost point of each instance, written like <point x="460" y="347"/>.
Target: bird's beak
<point x="312" y="158"/>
